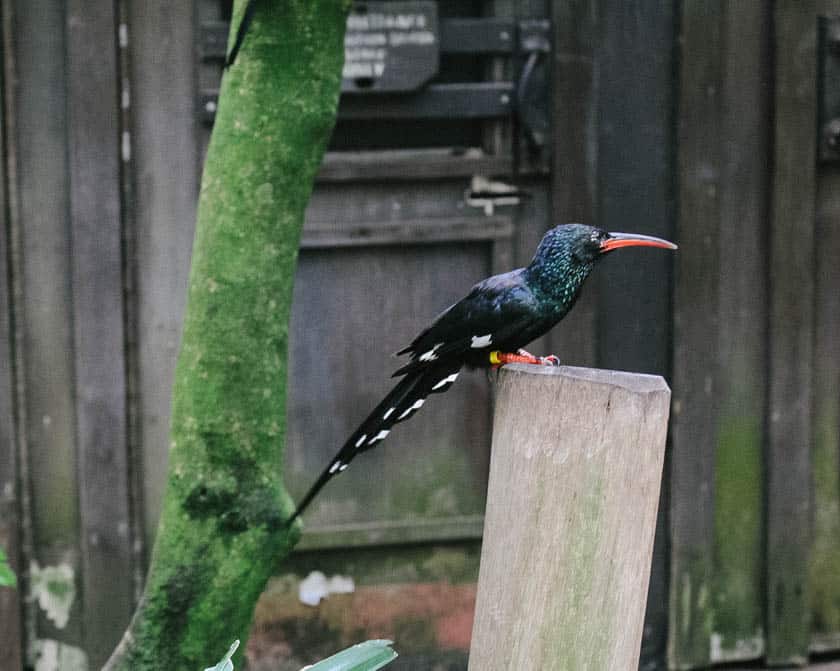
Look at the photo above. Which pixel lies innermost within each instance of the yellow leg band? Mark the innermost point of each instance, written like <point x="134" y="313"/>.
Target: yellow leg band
<point x="494" y="357"/>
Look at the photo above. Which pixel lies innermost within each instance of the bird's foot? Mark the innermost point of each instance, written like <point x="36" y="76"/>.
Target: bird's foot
<point x="550" y="360"/>
<point x="498" y="358"/>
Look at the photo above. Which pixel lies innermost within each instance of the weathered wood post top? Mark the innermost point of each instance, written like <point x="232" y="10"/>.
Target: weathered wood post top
<point x="571" y="511"/>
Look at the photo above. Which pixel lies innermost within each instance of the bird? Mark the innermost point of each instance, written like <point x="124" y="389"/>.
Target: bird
<point x="487" y="328"/>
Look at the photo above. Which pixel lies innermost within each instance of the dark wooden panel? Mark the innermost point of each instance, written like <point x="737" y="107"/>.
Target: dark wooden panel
<point x="696" y="335"/>
<point x="11" y="610"/>
<point x="164" y="154"/>
<point x="574" y="157"/>
<point x="634" y="191"/>
<point x="824" y="577"/>
<point x="791" y="333"/>
<point x="737" y="597"/>
<point x="719" y="347"/>
<point x="352" y="308"/>
<point x="636" y="99"/>
<point x="94" y="156"/>
<point x="825" y="550"/>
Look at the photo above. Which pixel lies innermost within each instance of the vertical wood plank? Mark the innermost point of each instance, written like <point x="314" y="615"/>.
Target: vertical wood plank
<point x="634" y="192"/>
<point x="696" y="324"/>
<point x="573" y="158"/>
<point x="97" y="272"/>
<point x="635" y="189"/>
<point x="791" y="333"/>
<point x="824" y="576"/>
<point x="43" y="313"/>
<point x="165" y="151"/>
<point x="11" y="610"/>
<point x="737" y="598"/>
<point x="11" y="607"/>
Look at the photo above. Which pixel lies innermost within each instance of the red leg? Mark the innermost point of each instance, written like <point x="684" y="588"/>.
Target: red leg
<point x="500" y="358"/>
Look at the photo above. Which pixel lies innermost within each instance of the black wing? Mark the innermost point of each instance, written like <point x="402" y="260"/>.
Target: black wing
<point x="499" y="313"/>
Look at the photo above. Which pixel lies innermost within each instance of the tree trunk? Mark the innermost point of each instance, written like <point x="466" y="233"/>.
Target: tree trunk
<point x="222" y="531"/>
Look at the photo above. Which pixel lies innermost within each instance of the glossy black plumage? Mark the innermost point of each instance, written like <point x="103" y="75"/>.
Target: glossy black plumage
<point x="502" y="313"/>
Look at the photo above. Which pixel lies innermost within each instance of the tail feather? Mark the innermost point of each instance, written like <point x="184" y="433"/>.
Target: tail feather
<point x="400" y="404"/>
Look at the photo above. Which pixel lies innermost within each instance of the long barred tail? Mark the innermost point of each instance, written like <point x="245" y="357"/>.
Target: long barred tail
<point x="400" y="404"/>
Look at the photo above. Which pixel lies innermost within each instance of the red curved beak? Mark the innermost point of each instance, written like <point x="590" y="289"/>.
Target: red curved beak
<point x="617" y="240"/>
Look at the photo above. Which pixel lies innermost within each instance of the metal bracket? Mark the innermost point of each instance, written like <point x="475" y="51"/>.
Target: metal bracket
<point x="489" y="194"/>
<point x="829" y="89"/>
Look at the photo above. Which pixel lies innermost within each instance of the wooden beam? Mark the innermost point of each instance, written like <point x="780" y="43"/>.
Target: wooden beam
<point x="695" y="365"/>
<point x="411" y="164"/>
<point x="97" y="273"/>
<point x="574" y="157"/>
<point x="738" y="587"/>
<point x="164" y="156"/>
<point x="571" y="512"/>
<point x="407" y="232"/>
<point x="791" y="334"/>
<point x="635" y="101"/>
<point x="636" y="179"/>
<point x="40" y="241"/>
<point x="11" y="607"/>
<point x="824" y="578"/>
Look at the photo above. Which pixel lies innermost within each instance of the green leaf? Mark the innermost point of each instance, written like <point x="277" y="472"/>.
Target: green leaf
<point x="224" y="663"/>
<point x="367" y="656"/>
<point x="7" y="576"/>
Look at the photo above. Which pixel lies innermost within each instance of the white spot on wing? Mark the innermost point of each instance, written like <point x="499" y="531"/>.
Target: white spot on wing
<point x="449" y="379"/>
<point x="389" y="412"/>
<point x="379" y="436"/>
<point x="431" y="355"/>
<point x="343" y="467"/>
<point x="361" y="440"/>
<point x="336" y="465"/>
<point x="415" y="406"/>
<point x="481" y="341"/>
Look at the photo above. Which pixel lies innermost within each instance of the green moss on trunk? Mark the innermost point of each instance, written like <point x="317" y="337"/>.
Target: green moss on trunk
<point x="221" y="533"/>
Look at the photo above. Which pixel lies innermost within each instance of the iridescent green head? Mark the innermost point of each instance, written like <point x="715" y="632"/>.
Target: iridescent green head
<point x="567" y="254"/>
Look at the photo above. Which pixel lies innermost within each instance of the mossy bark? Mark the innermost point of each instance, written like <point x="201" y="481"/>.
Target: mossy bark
<point x="222" y="532"/>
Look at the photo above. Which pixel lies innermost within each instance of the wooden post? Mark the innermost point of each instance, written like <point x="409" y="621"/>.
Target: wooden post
<point x="571" y="512"/>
